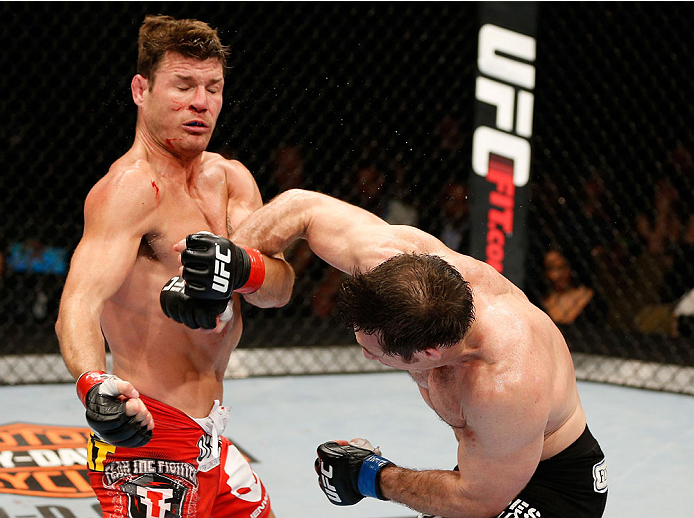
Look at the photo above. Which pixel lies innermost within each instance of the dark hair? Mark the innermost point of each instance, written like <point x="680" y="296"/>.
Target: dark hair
<point x="414" y="302"/>
<point x="191" y="38"/>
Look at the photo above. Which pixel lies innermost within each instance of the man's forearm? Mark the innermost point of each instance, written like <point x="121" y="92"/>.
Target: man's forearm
<point x="272" y="228"/>
<point x="81" y="342"/>
<point x="433" y="492"/>
<point x="277" y="286"/>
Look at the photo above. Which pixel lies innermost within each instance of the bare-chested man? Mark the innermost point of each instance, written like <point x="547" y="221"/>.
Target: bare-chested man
<point x="487" y="361"/>
<point x="158" y="449"/>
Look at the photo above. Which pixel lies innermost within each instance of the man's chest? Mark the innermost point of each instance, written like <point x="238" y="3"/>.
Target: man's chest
<point x="445" y="392"/>
<point x="179" y="215"/>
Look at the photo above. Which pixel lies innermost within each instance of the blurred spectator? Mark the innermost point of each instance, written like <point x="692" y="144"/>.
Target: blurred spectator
<point x="451" y="135"/>
<point x="683" y="322"/>
<point x="568" y="300"/>
<point x="370" y="181"/>
<point x="631" y="270"/>
<point x="288" y="168"/>
<point x="594" y="220"/>
<point x="674" y="315"/>
<point x="681" y="158"/>
<point x="660" y="227"/>
<point x="454" y="225"/>
<point x="679" y="274"/>
<point x="401" y="202"/>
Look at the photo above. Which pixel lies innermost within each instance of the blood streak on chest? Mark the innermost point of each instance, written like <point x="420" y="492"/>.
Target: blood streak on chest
<point x="156" y="193"/>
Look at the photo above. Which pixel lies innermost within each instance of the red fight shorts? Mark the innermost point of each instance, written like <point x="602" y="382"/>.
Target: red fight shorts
<point x="181" y="472"/>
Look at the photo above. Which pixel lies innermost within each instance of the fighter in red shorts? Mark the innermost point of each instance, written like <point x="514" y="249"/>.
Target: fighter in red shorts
<point x="163" y="454"/>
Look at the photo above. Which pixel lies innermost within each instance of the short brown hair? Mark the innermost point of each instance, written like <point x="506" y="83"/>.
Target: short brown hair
<point x="191" y="38"/>
<point x="414" y="302"/>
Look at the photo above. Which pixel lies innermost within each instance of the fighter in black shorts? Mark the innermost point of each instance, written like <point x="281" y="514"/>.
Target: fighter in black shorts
<point x="489" y="363"/>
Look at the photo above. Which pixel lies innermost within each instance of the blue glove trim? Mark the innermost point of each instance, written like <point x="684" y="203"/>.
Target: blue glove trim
<point x="368" y="475"/>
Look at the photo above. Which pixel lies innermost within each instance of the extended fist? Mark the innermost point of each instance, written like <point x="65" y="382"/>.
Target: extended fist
<point x="347" y="472"/>
<point x="214" y="267"/>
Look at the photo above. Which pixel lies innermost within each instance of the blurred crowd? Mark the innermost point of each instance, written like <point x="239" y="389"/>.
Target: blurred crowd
<point x="619" y="254"/>
<point x="597" y="257"/>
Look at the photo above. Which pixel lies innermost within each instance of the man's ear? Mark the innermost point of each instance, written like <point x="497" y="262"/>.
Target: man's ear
<point x="138" y="87"/>
<point x="432" y="354"/>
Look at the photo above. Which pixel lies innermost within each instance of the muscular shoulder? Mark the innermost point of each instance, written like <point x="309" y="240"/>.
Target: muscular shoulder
<point x="515" y="343"/>
<point x="511" y="383"/>
<point x="240" y="183"/>
<point x="127" y="193"/>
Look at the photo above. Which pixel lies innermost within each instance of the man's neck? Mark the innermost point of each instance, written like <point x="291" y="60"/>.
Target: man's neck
<point x="163" y="156"/>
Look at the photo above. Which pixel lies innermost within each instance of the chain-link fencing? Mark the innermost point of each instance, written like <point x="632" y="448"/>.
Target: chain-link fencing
<point x="374" y="103"/>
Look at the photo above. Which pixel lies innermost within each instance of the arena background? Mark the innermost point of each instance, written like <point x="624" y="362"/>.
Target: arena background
<point x="375" y="103"/>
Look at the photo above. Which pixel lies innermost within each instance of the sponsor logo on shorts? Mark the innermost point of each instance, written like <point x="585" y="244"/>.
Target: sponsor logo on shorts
<point x="520" y="509"/>
<point x="41" y="460"/>
<point x="125" y="469"/>
<point x="600" y="477"/>
<point x="154" y="496"/>
<point x="263" y="505"/>
<point x="206" y="458"/>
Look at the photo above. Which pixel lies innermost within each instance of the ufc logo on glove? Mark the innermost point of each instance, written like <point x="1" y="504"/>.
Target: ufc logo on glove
<point x="220" y="281"/>
<point x="330" y="490"/>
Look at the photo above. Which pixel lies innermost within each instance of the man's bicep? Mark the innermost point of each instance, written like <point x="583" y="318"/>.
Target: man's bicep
<point x="100" y="266"/>
<point x="348" y="238"/>
<point x="108" y="248"/>
<point x="502" y="451"/>
<point x="496" y="473"/>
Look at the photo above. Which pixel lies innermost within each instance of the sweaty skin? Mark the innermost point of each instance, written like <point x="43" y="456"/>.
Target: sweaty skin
<point x="508" y="389"/>
<point x="164" y="188"/>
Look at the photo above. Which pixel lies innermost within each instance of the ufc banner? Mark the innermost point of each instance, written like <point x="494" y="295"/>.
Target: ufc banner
<point x="501" y="145"/>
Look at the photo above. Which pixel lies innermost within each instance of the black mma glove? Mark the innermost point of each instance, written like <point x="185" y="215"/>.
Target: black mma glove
<point x="192" y="312"/>
<point x="346" y="474"/>
<point x="106" y="411"/>
<point x="214" y="267"/>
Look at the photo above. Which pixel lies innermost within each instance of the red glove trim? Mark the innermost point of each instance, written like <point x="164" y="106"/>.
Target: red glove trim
<point x="257" y="275"/>
<point x="87" y="381"/>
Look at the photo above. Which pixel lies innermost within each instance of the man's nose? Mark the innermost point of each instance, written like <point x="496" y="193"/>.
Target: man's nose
<point x="199" y="101"/>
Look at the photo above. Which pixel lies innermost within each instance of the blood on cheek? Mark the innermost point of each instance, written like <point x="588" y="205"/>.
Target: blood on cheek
<point x="170" y="142"/>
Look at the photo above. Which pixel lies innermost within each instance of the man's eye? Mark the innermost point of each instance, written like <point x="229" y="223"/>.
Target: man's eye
<point x="213" y="90"/>
<point x="183" y="88"/>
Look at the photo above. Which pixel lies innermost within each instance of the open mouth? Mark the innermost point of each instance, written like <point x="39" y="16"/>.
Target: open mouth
<point x="195" y="127"/>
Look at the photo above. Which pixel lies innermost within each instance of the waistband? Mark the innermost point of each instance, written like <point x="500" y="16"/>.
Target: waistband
<point x="168" y="417"/>
<point x="584" y="445"/>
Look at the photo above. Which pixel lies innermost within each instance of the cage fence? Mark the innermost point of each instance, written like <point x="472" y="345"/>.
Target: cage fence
<point x="374" y="103"/>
